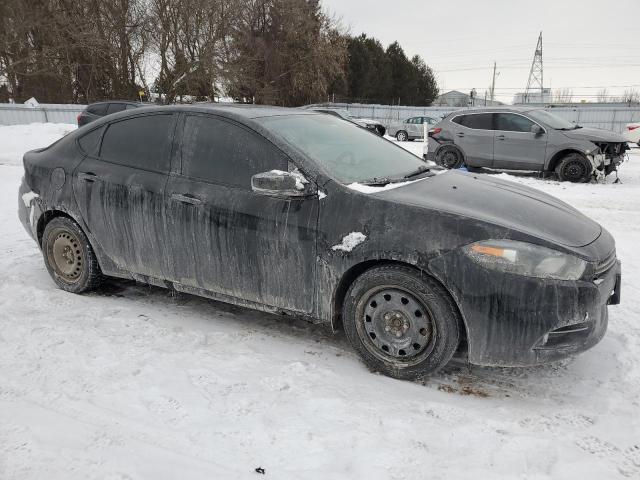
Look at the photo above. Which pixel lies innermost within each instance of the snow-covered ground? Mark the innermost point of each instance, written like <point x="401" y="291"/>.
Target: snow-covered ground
<point x="133" y="382"/>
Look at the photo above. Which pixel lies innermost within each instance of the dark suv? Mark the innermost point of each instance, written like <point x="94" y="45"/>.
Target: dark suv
<point x="100" y="109"/>
<point x="301" y="213"/>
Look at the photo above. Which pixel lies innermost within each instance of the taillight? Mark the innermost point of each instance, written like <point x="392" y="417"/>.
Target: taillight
<point x="78" y="118"/>
<point x="434" y="131"/>
<point x="634" y="127"/>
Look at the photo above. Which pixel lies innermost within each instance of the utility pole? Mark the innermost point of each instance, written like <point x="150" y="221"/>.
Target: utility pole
<point x="536" y="74"/>
<point x="493" y="83"/>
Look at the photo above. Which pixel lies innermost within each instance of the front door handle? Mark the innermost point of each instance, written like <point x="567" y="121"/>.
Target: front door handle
<point x="186" y="198"/>
<point x="500" y="137"/>
<point x="87" y="176"/>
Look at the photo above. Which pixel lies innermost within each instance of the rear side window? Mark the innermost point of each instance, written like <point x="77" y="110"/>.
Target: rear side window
<point x="90" y="142"/>
<point x="141" y="142"/>
<point x="128" y="106"/>
<point x="222" y="152"/>
<point x="509" y="122"/>
<point x="477" y="121"/>
<point x="98" y="109"/>
<point x="115" y="107"/>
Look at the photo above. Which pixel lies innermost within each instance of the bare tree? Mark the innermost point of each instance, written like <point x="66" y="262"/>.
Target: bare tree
<point x="563" y="95"/>
<point x="603" y="95"/>
<point x="630" y="96"/>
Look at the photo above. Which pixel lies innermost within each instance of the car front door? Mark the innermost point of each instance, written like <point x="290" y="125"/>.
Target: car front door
<point x="474" y="135"/>
<point x="119" y="188"/>
<point x="228" y="239"/>
<point x="516" y="146"/>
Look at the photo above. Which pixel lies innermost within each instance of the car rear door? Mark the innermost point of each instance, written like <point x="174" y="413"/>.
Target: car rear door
<point x="473" y="133"/>
<point x="515" y="145"/>
<point x="119" y="188"/>
<point x="414" y="127"/>
<point x="227" y="239"/>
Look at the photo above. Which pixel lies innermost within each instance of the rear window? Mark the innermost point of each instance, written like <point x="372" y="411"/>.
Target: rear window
<point x="477" y="121"/>
<point x="98" y="109"/>
<point x="115" y="107"/>
<point x="141" y="142"/>
<point x="90" y="142"/>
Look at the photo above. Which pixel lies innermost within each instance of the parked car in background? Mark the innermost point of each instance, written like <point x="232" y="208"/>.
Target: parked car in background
<point x="97" y="110"/>
<point x="524" y="138"/>
<point x="299" y="213"/>
<point x="632" y="133"/>
<point x="343" y="113"/>
<point x="411" y="128"/>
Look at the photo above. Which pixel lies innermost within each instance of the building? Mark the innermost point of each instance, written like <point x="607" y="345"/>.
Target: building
<point x="533" y="97"/>
<point x="454" y="98"/>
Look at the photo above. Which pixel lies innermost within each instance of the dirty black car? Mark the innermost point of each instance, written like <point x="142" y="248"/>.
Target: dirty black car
<point x="299" y="213"/>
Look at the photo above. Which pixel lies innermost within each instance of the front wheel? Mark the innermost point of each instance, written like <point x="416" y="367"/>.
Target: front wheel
<point x="574" y="168"/>
<point x="402" y="136"/>
<point x="402" y="323"/>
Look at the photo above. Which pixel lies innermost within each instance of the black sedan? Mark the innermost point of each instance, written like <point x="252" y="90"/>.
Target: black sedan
<point x="299" y="213"/>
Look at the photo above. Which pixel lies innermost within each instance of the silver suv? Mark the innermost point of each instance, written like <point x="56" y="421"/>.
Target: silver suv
<point x="523" y="138"/>
<point x="410" y="129"/>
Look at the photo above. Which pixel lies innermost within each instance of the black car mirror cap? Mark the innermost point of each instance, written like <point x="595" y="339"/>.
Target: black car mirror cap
<point x="281" y="184"/>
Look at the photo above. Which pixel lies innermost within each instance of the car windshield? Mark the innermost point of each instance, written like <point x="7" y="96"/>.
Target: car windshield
<point x="346" y="151"/>
<point x="551" y="120"/>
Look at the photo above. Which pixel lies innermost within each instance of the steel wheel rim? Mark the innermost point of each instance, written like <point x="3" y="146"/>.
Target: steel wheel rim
<point x="65" y="255"/>
<point x="450" y="159"/>
<point x="402" y="136"/>
<point x="395" y="326"/>
<point x="575" y="170"/>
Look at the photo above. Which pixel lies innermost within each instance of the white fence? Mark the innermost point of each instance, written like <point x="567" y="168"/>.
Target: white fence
<point x="15" y="114"/>
<point x="610" y="117"/>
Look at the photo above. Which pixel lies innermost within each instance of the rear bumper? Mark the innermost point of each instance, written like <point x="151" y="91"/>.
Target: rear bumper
<point x="513" y="320"/>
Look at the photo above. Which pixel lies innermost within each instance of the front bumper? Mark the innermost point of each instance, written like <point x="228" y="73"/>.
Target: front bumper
<point x="513" y="320"/>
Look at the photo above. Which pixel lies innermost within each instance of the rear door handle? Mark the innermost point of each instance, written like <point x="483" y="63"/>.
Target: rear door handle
<point x="500" y="137"/>
<point x="87" y="176"/>
<point x="460" y="134"/>
<point x="186" y="198"/>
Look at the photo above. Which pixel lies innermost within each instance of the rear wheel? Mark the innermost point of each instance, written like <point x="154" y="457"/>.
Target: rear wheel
<point x="69" y="257"/>
<point x="449" y="157"/>
<point x="574" y="168"/>
<point x="402" y="136"/>
<point x="402" y="324"/>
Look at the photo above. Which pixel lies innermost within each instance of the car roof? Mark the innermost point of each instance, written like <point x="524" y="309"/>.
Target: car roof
<point x="510" y="108"/>
<point x="128" y="102"/>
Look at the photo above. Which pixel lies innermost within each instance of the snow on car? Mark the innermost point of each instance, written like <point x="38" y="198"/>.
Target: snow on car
<point x="139" y="382"/>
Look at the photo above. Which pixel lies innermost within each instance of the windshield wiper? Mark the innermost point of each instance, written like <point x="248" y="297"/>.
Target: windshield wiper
<point x="420" y="170"/>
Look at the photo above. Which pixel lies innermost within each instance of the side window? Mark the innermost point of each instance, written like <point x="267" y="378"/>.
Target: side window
<point x="90" y="142"/>
<point x="141" y="142"/>
<point x="459" y="119"/>
<point x="98" y="109"/>
<point x="508" y="122"/>
<point x="128" y="106"/>
<point x="115" y="107"/>
<point x="220" y="151"/>
<point x="478" y="121"/>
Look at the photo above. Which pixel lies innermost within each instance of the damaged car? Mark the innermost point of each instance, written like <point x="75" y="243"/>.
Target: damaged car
<point x="300" y="213"/>
<point x="525" y="138"/>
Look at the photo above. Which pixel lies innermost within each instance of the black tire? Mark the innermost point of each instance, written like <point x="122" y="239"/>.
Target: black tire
<point x="69" y="257"/>
<point x="575" y="168"/>
<point x="410" y="314"/>
<point x="450" y="157"/>
<point x="402" y="136"/>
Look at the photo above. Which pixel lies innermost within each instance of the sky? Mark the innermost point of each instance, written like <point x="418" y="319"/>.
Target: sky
<point x="587" y="44"/>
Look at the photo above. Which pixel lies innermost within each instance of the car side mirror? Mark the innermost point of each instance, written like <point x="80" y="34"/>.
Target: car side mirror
<point x="536" y="130"/>
<point x="278" y="183"/>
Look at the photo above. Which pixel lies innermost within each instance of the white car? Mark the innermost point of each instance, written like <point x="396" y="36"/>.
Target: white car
<point x="632" y="133"/>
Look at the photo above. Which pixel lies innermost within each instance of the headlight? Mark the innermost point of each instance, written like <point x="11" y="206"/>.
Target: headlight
<point x="525" y="259"/>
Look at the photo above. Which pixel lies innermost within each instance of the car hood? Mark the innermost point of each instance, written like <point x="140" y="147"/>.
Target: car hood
<point x="593" y="134"/>
<point x="502" y="203"/>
